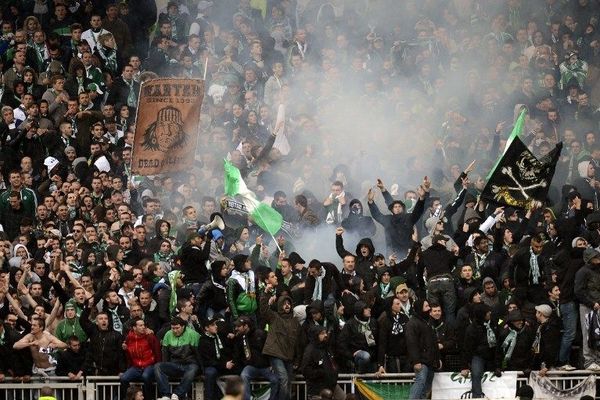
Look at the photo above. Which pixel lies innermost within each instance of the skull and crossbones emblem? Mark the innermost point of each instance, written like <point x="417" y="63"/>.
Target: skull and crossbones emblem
<point x="518" y="188"/>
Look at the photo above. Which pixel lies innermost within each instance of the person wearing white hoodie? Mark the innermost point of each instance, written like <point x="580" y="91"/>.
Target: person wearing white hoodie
<point x="587" y="184"/>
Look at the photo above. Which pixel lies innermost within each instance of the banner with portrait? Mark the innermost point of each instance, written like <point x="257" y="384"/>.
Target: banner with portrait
<point x="167" y="125"/>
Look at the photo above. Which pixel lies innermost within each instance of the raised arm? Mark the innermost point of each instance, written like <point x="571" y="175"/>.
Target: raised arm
<point x="55" y="310"/>
<point x="16" y="306"/>
<point x="423" y="192"/>
<point x="265" y="304"/>
<point x="373" y="209"/>
<point x="339" y="243"/>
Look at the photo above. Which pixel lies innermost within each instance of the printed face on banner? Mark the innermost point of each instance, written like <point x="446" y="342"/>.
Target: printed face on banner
<point x="165" y="134"/>
<point x="167" y="125"/>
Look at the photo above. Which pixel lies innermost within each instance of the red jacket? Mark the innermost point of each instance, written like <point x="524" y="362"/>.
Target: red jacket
<point x="142" y="350"/>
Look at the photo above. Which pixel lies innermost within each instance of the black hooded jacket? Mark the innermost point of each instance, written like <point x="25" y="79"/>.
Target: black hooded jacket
<point x="364" y="265"/>
<point x="352" y="339"/>
<point x="421" y="341"/>
<point x="318" y="365"/>
<point x="475" y="341"/>
<point x="309" y="323"/>
<point x="358" y="224"/>
<point x="213" y="292"/>
<point x="154" y="243"/>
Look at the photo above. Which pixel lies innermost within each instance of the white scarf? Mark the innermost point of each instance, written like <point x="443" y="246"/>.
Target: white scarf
<point x="246" y="280"/>
<point x="318" y="290"/>
<point x="218" y="344"/>
<point x="335" y="214"/>
<point x="534" y="271"/>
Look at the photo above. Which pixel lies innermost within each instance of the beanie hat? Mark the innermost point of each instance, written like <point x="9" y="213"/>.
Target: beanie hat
<point x="471" y="214"/>
<point x="574" y="241"/>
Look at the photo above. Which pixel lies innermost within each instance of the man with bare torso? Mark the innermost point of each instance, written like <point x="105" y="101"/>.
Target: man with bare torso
<point x="42" y="344"/>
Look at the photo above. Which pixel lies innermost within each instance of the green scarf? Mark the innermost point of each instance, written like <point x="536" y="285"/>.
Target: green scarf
<point x="173" y="276"/>
<point x="508" y="346"/>
<point x="109" y="56"/>
<point x="131" y="96"/>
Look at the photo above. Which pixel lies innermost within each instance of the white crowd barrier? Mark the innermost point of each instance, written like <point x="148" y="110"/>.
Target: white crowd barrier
<point x="108" y="387"/>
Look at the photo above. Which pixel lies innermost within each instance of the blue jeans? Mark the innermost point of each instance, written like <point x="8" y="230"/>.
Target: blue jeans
<point x="363" y="362"/>
<point x="441" y="290"/>
<point x="477" y="370"/>
<point x="249" y="373"/>
<point x="165" y="370"/>
<point x="134" y="374"/>
<point x="569" y="315"/>
<point x="423" y="382"/>
<point x="211" y="390"/>
<point x="285" y="372"/>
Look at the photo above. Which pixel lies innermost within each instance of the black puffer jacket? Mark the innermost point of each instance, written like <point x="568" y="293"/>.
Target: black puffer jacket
<point x="318" y="366"/>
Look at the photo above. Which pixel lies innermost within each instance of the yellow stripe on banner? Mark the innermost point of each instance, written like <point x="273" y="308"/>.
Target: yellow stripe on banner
<point x="365" y="391"/>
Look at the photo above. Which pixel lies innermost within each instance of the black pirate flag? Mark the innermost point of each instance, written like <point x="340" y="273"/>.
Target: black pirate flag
<point x="519" y="178"/>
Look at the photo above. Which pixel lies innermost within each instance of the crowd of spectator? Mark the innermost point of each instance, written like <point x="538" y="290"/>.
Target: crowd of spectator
<point x="104" y="272"/>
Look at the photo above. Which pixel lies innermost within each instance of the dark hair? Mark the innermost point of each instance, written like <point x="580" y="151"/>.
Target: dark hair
<point x="234" y="386"/>
<point x="132" y="391"/>
<point x="301" y="200"/>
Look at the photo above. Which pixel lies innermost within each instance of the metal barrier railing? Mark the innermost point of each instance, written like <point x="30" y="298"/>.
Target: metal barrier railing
<point x="64" y="388"/>
<point x="108" y="387"/>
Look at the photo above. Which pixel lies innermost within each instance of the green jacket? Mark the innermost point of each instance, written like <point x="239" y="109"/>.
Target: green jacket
<point x="65" y="329"/>
<point x="28" y="200"/>
<point x="181" y="349"/>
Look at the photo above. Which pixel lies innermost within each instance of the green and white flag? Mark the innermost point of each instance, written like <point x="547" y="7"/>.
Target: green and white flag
<point x="262" y="214"/>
